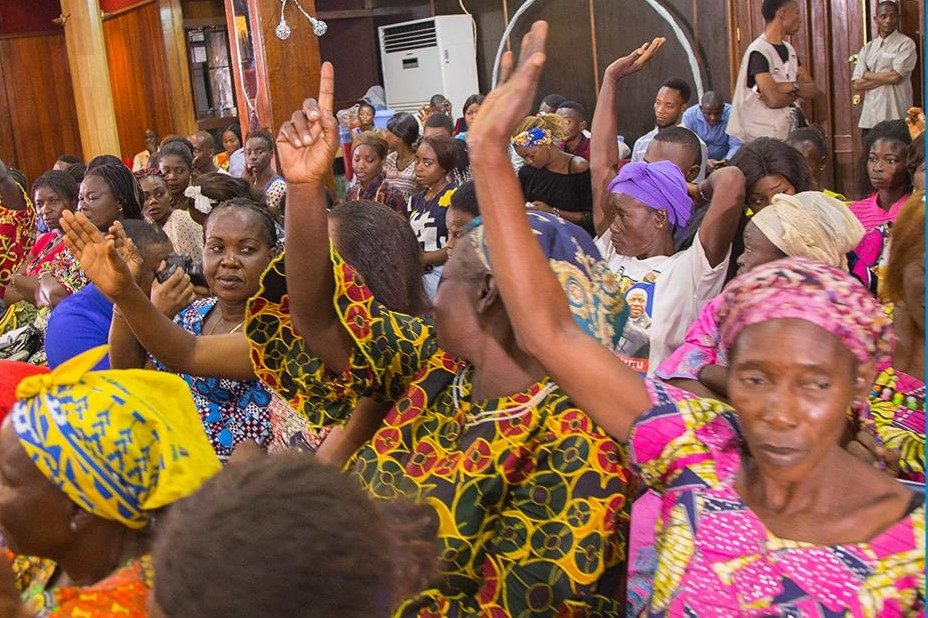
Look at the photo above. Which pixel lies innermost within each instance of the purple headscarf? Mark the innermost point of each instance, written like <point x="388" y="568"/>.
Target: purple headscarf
<point x="659" y="185"/>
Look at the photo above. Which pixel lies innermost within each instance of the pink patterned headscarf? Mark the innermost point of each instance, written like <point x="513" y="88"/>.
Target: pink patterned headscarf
<point x="808" y="290"/>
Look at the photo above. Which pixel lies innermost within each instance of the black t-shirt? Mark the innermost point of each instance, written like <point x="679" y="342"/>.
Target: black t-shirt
<point x="568" y="192"/>
<point x="757" y="62"/>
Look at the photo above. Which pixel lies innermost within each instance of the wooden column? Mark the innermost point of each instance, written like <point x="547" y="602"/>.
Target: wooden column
<point x="288" y="70"/>
<point x="178" y="69"/>
<point x="90" y="75"/>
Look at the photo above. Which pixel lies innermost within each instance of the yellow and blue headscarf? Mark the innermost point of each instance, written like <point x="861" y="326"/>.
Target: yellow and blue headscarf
<point x="593" y="295"/>
<point x="536" y="136"/>
<point x="118" y="443"/>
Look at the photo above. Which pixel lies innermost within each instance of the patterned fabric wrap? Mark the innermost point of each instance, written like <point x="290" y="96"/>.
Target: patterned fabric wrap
<point x="17" y="233"/>
<point x="659" y="185"/>
<point x="808" y="290"/>
<point x="118" y="443"/>
<point x="533" y="137"/>
<point x="593" y="295"/>
<point x="529" y="493"/>
<point x="810" y="224"/>
<point x="124" y="593"/>
<point x="897" y="414"/>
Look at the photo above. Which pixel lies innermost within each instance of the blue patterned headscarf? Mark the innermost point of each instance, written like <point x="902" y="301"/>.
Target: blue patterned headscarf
<point x="592" y="292"/>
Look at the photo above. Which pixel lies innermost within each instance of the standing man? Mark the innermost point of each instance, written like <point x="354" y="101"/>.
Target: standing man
<point x="884" y="69"/>
<point x="771" y="81"/>
<point x="710" y="121"/>
<point x="669" y="105"/>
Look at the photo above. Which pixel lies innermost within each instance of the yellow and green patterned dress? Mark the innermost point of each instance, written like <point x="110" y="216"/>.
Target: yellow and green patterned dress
<point x="529" y="492"/>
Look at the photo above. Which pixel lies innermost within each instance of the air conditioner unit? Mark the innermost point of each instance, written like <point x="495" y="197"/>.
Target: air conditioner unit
<point x="429" y="56"/>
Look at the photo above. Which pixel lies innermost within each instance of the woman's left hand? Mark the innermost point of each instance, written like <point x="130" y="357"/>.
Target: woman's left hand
<point x="11" y="605"/>
<point x="865" y="447"/>
<point x="511" y="101"/>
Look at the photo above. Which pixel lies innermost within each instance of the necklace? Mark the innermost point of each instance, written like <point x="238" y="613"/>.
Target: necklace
<point x="220" y="321"/>
<point x="499" y="414"/>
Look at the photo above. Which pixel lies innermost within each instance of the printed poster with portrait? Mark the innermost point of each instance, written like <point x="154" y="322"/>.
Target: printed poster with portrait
<point x="634" y="346"/>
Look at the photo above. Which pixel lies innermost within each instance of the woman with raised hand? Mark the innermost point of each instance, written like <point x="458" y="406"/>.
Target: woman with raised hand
<point x="763" y="510"/>
<point x="397" y="282"/>
<point x="88" y="459"/>
<point x="530" y="495"/>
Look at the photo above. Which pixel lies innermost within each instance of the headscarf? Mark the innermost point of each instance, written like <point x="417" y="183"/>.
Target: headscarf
<point x="536" y="136"/>
<point x="659" y="185"/>
<point x="118" y="443"/>
<point x="593" y="295"/>
<point x="809" y="290"/>
<point x="811" y="224"/>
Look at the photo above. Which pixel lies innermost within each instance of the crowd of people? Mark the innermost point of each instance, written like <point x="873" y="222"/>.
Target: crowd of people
<point x="518" y="369"/>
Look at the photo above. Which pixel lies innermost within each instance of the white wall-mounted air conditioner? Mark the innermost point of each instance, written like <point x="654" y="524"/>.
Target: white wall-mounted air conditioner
<point x="429" y="56"/>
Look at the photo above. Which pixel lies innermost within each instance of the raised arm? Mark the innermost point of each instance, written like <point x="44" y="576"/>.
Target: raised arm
<point x="598" y="382"/>
<point x="138" y="325"/>
<point x="307" y="145"/>
<point x="604" y="150"/>
<point x="718" y="229"/>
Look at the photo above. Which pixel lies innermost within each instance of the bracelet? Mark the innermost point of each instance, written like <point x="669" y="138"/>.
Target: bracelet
<point x="557" y="213"/>
<point x="702" y="196"/>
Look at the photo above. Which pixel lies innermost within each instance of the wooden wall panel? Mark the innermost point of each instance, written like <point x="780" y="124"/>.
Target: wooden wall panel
<point x="37" y="103"/>
<point x="135" y="55"/>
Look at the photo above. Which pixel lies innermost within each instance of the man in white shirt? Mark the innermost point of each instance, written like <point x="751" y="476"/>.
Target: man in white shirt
<point x="669" y="105"/>
<point x="884" y="69"/>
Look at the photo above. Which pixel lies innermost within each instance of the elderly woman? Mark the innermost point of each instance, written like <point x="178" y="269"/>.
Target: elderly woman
<point x="809" y="224"/>
<point x="87" y="459"/>
<point x="763" y="510"/>
<point x="529" y="494"/>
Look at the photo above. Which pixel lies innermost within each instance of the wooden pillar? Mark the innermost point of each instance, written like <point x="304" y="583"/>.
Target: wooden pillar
<point x="288" y="70"/>
<point x="96" y="115"/>
<point x="180" y="95"/>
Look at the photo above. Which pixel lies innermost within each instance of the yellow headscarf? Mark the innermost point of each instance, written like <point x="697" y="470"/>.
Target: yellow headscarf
<point x="119" y="443"/>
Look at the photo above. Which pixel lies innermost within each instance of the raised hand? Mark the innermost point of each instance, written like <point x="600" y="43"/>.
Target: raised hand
<point x="308" y="142"/>
<point x="635" y="61"/>
<point x="511" y="101"/>
<point x="97" y="255"/>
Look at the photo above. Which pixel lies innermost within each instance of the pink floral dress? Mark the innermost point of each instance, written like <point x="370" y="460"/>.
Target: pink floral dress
<point x="717" y="559"/>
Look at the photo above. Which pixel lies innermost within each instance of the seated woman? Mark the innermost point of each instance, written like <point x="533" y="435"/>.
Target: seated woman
<point x="108" y="193"/>
<point x="52" y="192"/>
<point x="475" y="429"/>
<point x="185" y="234"/>
<point x="259" y="153"/>
<point x="896" y="420"/>
<point x="808" y="224"/>
<point x="231" y="144"/>
<point x="552" y="180"/>
<point x="887" y="172"/>
<point x="175" y="162"/>
<point x="763" y="510"/>
<point x="436" y="158"/>
<point x="17" y="226"/>
<point x="239" y="244"/>
<point x="398" y="282"/>
<point x="470" y="109"/>
<point x="206" y="568"/>
<point x="71" y="496"/>
<point x="368" y="151"/>
<point x="399" y="168"/>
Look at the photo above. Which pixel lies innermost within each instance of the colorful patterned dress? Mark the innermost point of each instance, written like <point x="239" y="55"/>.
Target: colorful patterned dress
<point x="529" y="492"/>
<point x="17" y="233"/>
<point x="379" y="190"/>
<point x="717" y="559"/>
<point x="231" y="410"/>
<point x="897" y="409"/>
<point x="124" y="593"/>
